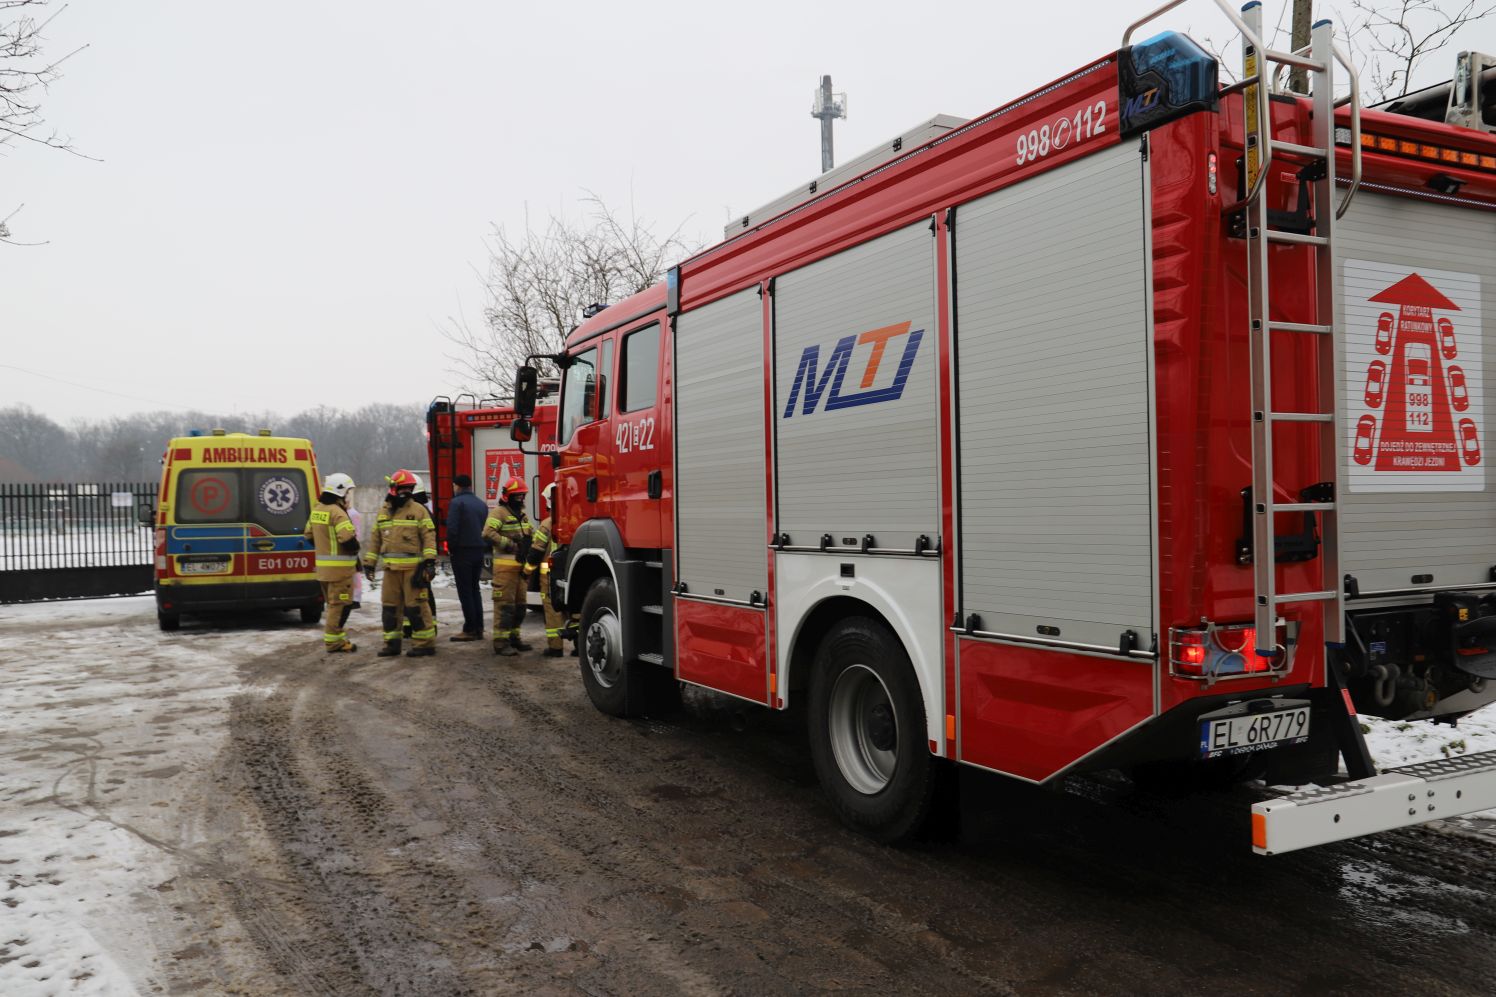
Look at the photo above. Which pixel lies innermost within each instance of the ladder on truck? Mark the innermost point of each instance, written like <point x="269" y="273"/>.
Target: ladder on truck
<point x="1263" y="233"/>
<point x="1322" y="499"/>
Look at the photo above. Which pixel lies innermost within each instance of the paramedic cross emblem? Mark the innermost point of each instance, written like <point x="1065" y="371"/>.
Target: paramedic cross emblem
<point x="278" y="496"/>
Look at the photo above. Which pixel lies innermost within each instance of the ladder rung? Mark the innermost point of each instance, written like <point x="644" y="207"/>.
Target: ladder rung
<point x="1323" y="330"/>
<point x="1304" y="507"/>
<point x="1274" y="235"/>
<point x="1297" y="61"/>
<point x="1312" y="151"/>
<point x="1306" y="597"/>
<point x="1301" y="416"/>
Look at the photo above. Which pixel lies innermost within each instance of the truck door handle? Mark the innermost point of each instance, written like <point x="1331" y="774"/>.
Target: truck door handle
<point x="264" y="545"/>
<point x="656" y="488"/>
<point x="591" y="489"/>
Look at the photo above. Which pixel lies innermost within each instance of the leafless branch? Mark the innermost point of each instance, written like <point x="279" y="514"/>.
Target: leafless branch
<point x="1393" y="39"/>
<point x="538" y="282"/>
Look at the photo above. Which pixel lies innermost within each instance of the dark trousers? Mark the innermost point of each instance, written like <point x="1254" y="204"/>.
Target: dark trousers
<point x="467" y="568"/>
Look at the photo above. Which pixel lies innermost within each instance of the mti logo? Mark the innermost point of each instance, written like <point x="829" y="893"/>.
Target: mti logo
<point x="836" y="370"/>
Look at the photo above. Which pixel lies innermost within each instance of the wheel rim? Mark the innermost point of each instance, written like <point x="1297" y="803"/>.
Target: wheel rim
<point x="864" y="729"/>
<point x="604" y="648"/>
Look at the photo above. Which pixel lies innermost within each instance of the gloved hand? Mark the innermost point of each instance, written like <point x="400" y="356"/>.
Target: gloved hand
<point x="428" y="568"/>
<point x="369" y="573"/>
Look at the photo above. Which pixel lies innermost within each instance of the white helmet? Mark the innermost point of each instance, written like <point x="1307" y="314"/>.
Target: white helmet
<point x="420" y="485"/>
<point x="339" y="484"/>
<point x="549" y="494"/>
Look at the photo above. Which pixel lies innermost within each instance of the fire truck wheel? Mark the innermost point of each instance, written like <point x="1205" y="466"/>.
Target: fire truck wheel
<point x="169" y="621"/>
<point x="600" y="641"/>
<point x="867" y="723"/>
<point x="311" y="614"/>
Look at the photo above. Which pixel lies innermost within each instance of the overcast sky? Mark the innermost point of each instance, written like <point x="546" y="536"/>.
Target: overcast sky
<point x="293" y="196"/>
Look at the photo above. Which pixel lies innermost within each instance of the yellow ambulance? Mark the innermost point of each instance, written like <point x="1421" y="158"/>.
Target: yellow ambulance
<point x="229" y="518"/>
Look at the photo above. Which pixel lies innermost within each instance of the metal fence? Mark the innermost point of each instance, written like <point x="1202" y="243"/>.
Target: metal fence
<point x="74" y="540"/>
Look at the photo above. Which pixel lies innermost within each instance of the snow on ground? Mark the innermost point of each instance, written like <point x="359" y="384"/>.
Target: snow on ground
<point x="106" y="721"/>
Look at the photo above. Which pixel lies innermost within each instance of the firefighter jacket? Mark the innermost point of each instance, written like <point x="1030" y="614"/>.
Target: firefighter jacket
<point x="542" y="546"/>
<point x="332" y="536"/>
<point x="405" y="536"/>
<point x="510" y="534"/>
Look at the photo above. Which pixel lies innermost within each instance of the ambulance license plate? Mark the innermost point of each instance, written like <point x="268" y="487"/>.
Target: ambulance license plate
<point x="203" y="567"/>
<point x="1238" y="735"/>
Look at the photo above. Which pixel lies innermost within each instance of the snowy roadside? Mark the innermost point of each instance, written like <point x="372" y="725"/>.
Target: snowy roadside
<point x="107" y="723"/>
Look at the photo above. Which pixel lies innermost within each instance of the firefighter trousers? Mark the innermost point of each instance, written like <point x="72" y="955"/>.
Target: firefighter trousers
<point x="337" y="597"/>
<point x="509" y="591"/>
<point x="554" y="621"/>
<point x="404" y="601"/>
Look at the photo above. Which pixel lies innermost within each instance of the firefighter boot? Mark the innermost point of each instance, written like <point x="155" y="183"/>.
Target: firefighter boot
<point x="519" y="645"/>
<point x="504" y="649"/>
<point x="391" y="649"/>
<point x="420" y="652"/>
<point x="346" y="647"/>
<point x="553" y="652"/>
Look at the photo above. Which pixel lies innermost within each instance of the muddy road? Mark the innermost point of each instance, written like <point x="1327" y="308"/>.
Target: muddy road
<point x="470" y="825"/>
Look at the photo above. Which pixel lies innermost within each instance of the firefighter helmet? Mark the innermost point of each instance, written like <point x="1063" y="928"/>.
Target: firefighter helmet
<point x="512" y="487"/>
<point x="403" y="479"/>
<point x="549" y="494"/>
<point x="338" y="484"/>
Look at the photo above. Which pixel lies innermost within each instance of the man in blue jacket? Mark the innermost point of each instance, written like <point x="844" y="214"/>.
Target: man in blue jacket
<point x="465" y="547"/>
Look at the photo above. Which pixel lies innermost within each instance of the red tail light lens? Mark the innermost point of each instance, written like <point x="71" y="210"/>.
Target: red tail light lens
<point x="1221" y="651"/>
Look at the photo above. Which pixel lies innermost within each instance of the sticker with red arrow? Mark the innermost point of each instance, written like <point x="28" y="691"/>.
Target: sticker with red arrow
<point x="1413" y="379"/>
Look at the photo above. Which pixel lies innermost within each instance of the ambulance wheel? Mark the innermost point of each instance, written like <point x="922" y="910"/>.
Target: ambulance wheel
<point x="169" y="621"/>
<point x="600" y="641"/>
<point x="867" y="732"/>
<point x="311" y="614"/>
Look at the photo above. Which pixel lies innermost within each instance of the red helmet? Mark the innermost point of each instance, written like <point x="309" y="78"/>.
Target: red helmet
<point x="403" y="479"/>
<point x="514" y="486"/>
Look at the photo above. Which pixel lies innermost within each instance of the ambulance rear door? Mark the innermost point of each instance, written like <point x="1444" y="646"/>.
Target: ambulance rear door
<point x="1417" y="287"/>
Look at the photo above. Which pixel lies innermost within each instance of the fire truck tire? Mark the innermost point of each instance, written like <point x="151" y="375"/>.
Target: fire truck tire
<point x="600" y="642"/>
<point x="169" y="621"/>
<point x="867" y="741"/>
<point x="311" y="614"/>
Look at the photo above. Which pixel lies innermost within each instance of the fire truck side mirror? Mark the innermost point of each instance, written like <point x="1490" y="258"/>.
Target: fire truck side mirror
<point x="526" y="388"/>
<point x="520" y="430"/>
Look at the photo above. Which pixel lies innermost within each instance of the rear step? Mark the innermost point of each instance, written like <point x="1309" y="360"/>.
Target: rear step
<point x="655" y="610"/>
<point x="650" y="658"/>
<point x="1398" y="797"/>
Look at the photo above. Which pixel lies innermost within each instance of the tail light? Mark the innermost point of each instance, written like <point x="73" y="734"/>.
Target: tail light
<point x="1230" y="650"/>
<point x="1211" y="171"/>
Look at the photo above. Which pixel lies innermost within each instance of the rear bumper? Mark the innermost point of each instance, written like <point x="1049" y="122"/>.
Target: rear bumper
<point x="236" y="596"/>
<point x="1398" y="797"/>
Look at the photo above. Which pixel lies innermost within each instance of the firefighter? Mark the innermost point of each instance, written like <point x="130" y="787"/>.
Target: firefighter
<point x="333" y="536"/>
<point x="508" y="532"/>
<point x="405" y="535"/>
<point x="427" y="578"/>
<point x="542" y="547"/>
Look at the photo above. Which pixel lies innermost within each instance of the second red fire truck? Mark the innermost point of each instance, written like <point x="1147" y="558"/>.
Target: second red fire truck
<point x="1137" y="423"/>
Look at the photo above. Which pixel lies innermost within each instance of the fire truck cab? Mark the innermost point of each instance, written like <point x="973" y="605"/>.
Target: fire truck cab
<point x="1043" y="442"/>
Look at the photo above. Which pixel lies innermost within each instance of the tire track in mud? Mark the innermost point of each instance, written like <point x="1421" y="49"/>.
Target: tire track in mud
<point x="370" y="915"/>
<point x="569" y="851"/>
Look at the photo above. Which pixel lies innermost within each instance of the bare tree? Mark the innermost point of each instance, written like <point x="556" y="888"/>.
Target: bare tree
<point x="538" y="284"/>
<point x="1393" y="39"/>
<point x="25" y="74"/>
<point x="1388" y="39"/>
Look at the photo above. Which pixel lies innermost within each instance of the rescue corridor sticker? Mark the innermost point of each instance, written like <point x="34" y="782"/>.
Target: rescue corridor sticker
<point x="1413" y="379"/>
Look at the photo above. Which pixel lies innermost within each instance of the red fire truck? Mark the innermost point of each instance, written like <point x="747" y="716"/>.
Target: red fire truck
<point x="1134" y="424"/>
<point x="470" y="436"/>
